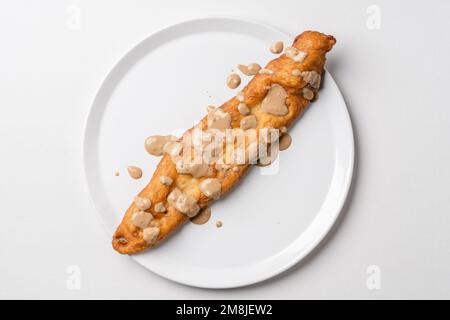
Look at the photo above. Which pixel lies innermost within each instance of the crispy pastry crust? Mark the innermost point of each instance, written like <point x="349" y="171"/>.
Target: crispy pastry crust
<point x="128" y="239"/>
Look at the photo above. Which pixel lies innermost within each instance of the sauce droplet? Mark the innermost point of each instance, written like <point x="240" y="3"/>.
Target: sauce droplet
<point x="308" y="94"/>
<point x="266" y="71"/>
<point x="134" y="172"/>
<point x="142" y="203"/>
<point x="249" y="70"/>
<point x="277" y="47"/>
<point x="141" y="219"/>
<point x="173" y="148"/>
<point x="243" y="109"/>
<point x="248" y="122"/>
<point x="166" y="180"/>
<point x="233" y="81"/>
<point x="203" y="217"/>
<point x="219" y="224"/>
<point x="240" y="96"/>
<point x="183" y="202"/>
<point x="285" y="141"/>
<point x="155" y="144"/>
<point x="217" y="119"/>
<point x="150" y="234"/>
<point x="312" y="78"/>
<point x="160" y="207"/>
<point x="295" y="54"/>
<point x="275" y="101"/>
<point x="197" y="170"/>
<point x="211" y="188"/>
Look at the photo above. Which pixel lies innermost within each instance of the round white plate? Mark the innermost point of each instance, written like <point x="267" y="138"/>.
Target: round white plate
<point x="277" y="215"/>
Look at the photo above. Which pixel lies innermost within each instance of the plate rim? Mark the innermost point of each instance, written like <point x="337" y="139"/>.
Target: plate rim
<point x="266" y="275"/>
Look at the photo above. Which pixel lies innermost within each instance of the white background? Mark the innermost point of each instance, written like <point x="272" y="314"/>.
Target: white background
<point x="395" y="80"/>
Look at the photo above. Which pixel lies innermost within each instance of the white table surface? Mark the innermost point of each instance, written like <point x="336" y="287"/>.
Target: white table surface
<point x="395" y="80"/>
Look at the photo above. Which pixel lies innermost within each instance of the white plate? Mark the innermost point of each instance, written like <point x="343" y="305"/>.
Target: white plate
<point x="275" y="217"/>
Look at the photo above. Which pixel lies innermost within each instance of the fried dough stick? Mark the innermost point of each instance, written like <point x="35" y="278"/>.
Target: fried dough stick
<point x="129" y="239"/>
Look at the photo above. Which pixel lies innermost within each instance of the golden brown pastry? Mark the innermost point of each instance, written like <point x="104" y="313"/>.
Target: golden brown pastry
<point x="174" y="195"/>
